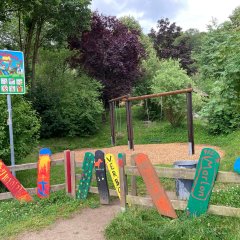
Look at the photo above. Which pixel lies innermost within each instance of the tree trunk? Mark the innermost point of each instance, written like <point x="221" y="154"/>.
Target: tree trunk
<point x="35" y="52"/>
<point x="19" y="31"/>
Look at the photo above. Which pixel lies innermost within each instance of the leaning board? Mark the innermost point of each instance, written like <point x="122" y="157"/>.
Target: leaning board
<point x="206" y="173"/>
<point x="236" y="167"/>
<point x="154" y="187"/>
<point x="86" y="177"/>
<point x="114" y="171"/>
<point x="43" y="169"/>
<point x="101" y="177"/>
<point x="13" y="185"/>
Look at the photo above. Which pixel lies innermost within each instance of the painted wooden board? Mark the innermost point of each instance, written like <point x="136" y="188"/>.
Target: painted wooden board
<point x="154" y="187"/>
<point x="101" y="177"/>
<point x="114" y="171"/>
<point x="85" y="181"/>
<point x="43" y="169"/>
<point x="236" y="166"/>
<point x="13" y="185"/>
<point x="206" y="173"/>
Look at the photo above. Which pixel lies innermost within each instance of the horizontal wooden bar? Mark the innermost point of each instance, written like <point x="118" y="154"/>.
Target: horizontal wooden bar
<point x="187" y="90"/>
<point x="182" y="173"/>
<point x="118" y="98"/>
<point x="181" y="205"/>
<point x="27" y="166"/>
<point x="32" y="191"/>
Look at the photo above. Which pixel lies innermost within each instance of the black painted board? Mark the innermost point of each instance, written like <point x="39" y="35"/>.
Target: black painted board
<point x="101" y="177"/>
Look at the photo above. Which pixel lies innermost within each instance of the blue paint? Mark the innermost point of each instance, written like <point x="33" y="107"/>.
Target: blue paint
<point x="45" y="151"/>
<point x="236" y="166"/>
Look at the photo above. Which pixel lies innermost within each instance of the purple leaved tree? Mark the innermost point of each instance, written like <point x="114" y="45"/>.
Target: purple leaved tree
<point x="110" y="53"/>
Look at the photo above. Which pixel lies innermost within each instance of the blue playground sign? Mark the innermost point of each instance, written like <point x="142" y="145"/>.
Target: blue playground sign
<point x="12" y="74"/>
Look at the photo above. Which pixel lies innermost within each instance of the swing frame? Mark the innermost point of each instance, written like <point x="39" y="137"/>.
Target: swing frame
<point x="128" y="99"/>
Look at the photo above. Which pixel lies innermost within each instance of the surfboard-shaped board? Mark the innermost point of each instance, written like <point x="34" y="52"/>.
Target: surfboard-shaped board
<point x="206" y="173"/>
<point x="13" y="185"/>
<point x="86" y="177"/>
<point x="43" y="169"/>
<point x="154" y="186"/>
<point x="114" y="171"/>
<point x="236" y="167"/>
<point x="101" y="177"/>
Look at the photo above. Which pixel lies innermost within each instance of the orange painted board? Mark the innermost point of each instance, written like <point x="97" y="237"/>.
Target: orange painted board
<point x="43" y="179"/>
<point x="13" y="185"/>
<point x="154" y="186"/>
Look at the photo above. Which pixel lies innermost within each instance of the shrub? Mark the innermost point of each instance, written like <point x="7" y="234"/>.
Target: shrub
<point x="26" y="127"/>
<point x="171" y="77"/>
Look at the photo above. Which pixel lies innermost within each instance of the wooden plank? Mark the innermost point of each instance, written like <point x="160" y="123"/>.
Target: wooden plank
<point x="160" y="94"/>
<point x="27" y="166"/>
<point x="32" y="191"/>
<point x="73" y="177"/>
<point x="181" y="205"/>
<point x="123" y="180"/>
<point x="133" y="178"/>
<point x="118" y="98"/>
<point x="67" y="171"/>
<point x="154" y="186"/>
<point x="224" y="177"/>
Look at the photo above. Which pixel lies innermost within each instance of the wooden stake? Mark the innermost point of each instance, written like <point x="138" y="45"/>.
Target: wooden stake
<point x="123" y="180"/>
<point x="73" y="174"/>
<point x="133" y="179"/>
<point x="67" y="170"/>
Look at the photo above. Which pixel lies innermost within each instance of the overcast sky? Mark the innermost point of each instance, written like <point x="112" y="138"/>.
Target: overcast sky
<point x="186" y="13"/>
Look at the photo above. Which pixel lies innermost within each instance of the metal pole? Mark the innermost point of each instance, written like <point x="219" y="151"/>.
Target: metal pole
<point x="11" y="132"/>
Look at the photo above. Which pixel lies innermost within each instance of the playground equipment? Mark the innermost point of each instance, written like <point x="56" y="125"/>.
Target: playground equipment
<point x="127" y="99"/>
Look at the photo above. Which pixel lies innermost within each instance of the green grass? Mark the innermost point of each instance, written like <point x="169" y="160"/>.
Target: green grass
<point x="136" y="223"/>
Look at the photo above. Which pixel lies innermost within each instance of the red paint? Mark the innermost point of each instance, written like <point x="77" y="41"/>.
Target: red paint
<point x="154" y="187"/>
<point x="120" y="162"/>
<point x="13" y="185"/>
<point x="69" y="183"/>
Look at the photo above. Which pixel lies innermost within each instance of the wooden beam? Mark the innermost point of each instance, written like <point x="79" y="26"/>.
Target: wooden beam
<point x="159" y="94"/>
<point x="181" y="205"/>
<point x="190" y="123"/>
<point x="133" y="178"/>
<point x="224" y="177"/>
<point x="123" y="180"/>
<point x="118" y="98"/>
<point x="67" y="170"/>
<point x="73" y="174"/>
<point x="129" y="125"/>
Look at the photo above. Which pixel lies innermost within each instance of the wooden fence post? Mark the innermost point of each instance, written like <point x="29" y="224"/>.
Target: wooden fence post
<point x="133" y="178"/>
<point x="190" y="123"/>
<point x="123" y="180"/>
<point x="129" y="125"/>
<point x="67" y="170"/>
<point x="73" y="174"/>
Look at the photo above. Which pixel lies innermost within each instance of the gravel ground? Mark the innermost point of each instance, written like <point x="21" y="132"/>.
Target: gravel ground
<point x="157" y="153"/>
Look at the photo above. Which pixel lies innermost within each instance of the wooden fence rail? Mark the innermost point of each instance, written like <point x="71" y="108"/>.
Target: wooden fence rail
<point x="178" y="173"/>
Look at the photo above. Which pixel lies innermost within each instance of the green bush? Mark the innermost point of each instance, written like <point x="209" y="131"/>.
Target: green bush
<point x="67" y="102"/>
<point x="171" y="77"/>
<point x="26" y="127"/>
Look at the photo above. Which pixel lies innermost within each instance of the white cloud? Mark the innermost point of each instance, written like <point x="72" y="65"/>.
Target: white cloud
<point x="198" y="14"/>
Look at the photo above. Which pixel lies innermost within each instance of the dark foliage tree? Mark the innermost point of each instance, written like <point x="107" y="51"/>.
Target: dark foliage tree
<point x="110" y="53"/>
<point x="169" y="43"/>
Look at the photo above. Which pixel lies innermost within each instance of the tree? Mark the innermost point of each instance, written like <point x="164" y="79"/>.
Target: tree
<point x="110" y="53"/>
<point x="43" y="21"/>
<point x="165" y="43"/>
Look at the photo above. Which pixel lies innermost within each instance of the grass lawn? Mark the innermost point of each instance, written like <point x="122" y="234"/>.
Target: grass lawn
<point x="136" y="222"/>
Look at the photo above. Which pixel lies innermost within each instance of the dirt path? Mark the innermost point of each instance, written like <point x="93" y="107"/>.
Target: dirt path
<point x="89" y="224"/>
<point x="158" y="153"/>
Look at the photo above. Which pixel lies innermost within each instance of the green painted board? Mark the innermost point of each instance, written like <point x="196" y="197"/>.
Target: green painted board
<point x="206" y="173"/>
<point x="86" y="178"/>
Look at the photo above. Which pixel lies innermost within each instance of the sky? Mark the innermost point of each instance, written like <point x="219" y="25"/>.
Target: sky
<point x="186" y="13"/>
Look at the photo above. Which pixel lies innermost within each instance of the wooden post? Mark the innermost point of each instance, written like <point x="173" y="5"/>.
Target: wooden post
<point x="190" y="123"/>
<point x="67" y="169"/>
<point x="123" y="180"/>
<point x="112" y="123"/>
<point x="73" y="174"/>
<point x="129" y="125"/>
<point x="133" y="179"/>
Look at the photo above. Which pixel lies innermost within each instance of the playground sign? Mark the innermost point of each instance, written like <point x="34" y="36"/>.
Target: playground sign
<point x="12" y="75"/>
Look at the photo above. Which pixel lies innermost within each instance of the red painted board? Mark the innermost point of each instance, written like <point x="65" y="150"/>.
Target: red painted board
<point x="13" y="185"/>
<point x="69" y="183"/>
<point x="43" y="180"/>
<point x="154" y="187"/>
